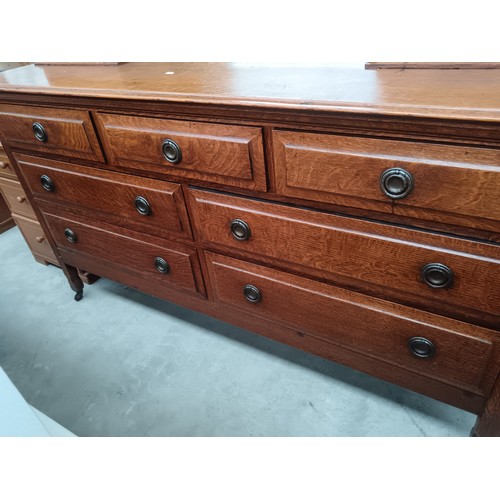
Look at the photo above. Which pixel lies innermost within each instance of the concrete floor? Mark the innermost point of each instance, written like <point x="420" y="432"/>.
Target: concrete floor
<point x="120" y="363"/>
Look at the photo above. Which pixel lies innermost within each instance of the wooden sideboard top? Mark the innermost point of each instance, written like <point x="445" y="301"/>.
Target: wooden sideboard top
<point x="468" y="94"/>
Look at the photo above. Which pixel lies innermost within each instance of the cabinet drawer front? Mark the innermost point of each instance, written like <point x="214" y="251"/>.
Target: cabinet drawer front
<point x="6" y="169"/>
<point x="462" y="353"/>
<point x="112" y="194"/>
<point x="224" y="154"/>
<point x="35" y="238"/>
<point x="16" y="197"/>
<point x="455" y="184"/>
<point x="124" y="253"/>
<point x="355" y="253"/>
<point x="59" y="131"/>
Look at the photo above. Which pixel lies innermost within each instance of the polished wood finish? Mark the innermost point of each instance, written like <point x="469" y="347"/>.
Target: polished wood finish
<point x="374" y="327"/>
<point x="112" y="194"/>
<point x="223" y="154"/>
<point x="36" y="239"/>
<point x="357" y="253"/>
<point x="135" y="256"/>
<point x="298" y="154"/>
<point x="70" y="132"/>
<point x="449" y="181"/>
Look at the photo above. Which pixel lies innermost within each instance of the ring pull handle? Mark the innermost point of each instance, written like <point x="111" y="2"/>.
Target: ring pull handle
<point x="437" y="275"/>
<point x="421" y="347"/>
<point x="171" y="151"/>
<point x="39" y="132"/>
<point x="240" y="230"/>
<point x="70" y="235"/>
<point x="252" y="293"/>
<point x="47" y="183"/>
<point x="162" y="265"/>
<point x="396" y="183"/>
<point x="142" y="205"/>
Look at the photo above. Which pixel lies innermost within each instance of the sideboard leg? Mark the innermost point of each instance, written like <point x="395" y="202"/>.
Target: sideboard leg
<point x="74" y="280"/>
<point x="488" y="423"/>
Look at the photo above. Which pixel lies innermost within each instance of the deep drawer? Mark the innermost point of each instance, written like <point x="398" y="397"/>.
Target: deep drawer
<point x="57" y="131"/>
<point x="428" y="344"/>
<point x="16" y="197"/>
<point x="123" y="198"/>
<point x="358" y="254"/>
<point x="230" y="155"/>
<point x="454" y="184"/>
<point x="171" y="265"/>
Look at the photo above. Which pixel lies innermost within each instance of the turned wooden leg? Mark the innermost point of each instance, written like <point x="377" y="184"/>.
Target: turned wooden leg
<point x="74" y="280"/>
<point x="488" y="423"/>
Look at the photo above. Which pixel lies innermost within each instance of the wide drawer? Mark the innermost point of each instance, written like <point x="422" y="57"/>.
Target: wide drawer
<point x="170" y="265"/>
<point x="142" y="204"/>
<point x="388" y="261"/>
<point x="57" y="131"/>
<point x="430" y="345"/>
<point x="35" y="238"/>
<point x="454" y="184"/>
<point x="16" y="197"/>
<point x="231" y="155"/>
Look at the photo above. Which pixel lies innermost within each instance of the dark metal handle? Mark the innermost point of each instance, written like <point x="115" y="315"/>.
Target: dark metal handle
<point x="437" y="275"/>
<point x="240" y="229"/>
<point x="47" y="183"/>
<point x="142" y="205"/>
<point x="70" y="235"/>
<point x="39" y="132"/>
<point x="252" y="293"/>
<point x="396" y="183"/>
<point x="421" y="347"/>
<point x="171" y="151"/>
<point x="162" y="265"/>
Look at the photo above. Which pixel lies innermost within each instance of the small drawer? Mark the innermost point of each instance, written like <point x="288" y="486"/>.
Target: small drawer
<point x="146" y="205"/>
<point x="16" y="198"/>
<point x="56" y="131"/>
<point x="413" y="267"/>
<point x="35" y="238"/>
<point x="451" y="184"/>
<point x="6" y="169"/>
<point x="230" y="155"/>
<point x="170" y="265"/>
<point x="437" y="347"/>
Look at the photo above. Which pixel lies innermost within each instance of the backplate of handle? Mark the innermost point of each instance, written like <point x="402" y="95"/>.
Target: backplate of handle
<point x="171" y="151"/>
<point x="421" y="347"/>
<point x="39" y="132"/>
<point x="396" y="183"/>
<point x="437" y="275"/>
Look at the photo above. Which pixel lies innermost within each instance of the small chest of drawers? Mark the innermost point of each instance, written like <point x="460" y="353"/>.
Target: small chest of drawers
<point x="367" y="235"/>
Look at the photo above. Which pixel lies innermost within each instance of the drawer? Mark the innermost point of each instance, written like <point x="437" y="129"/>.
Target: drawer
<point x="35" y="238"/>
<point x="454" y="184"/>
<point x="56" y="131"/>
<point x="427" y="344"/>
<point x="6" y="169"/>
<point x="16" y="197"/>
<point x="231" y="155"/>
<point x="118" y="196"/>
<point x="375" y="258"/>
<point x="170" y="265"/>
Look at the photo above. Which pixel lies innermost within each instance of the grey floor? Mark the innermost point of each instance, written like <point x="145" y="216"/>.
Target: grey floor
<point x="120" y="363"/>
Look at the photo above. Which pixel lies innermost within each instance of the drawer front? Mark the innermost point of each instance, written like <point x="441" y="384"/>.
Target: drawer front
<point x="16" y="197"/>
<point x="356" y="253"/>
<point x="6" y="169"/>
<point x="119" y="196"/>
<point x="139" y="258"/>
<point x="57" y="131"/>
<point x="35" y="238"/>
<point x="457" y="353"/>
<point x="224" y="154"/>
<point x="455" y="184"/>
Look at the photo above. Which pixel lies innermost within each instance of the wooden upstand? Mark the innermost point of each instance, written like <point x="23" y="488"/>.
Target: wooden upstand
<point x="353" y="214"/>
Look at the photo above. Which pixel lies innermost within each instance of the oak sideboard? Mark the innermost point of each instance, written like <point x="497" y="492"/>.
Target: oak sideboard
<point x="351" y="213"/>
